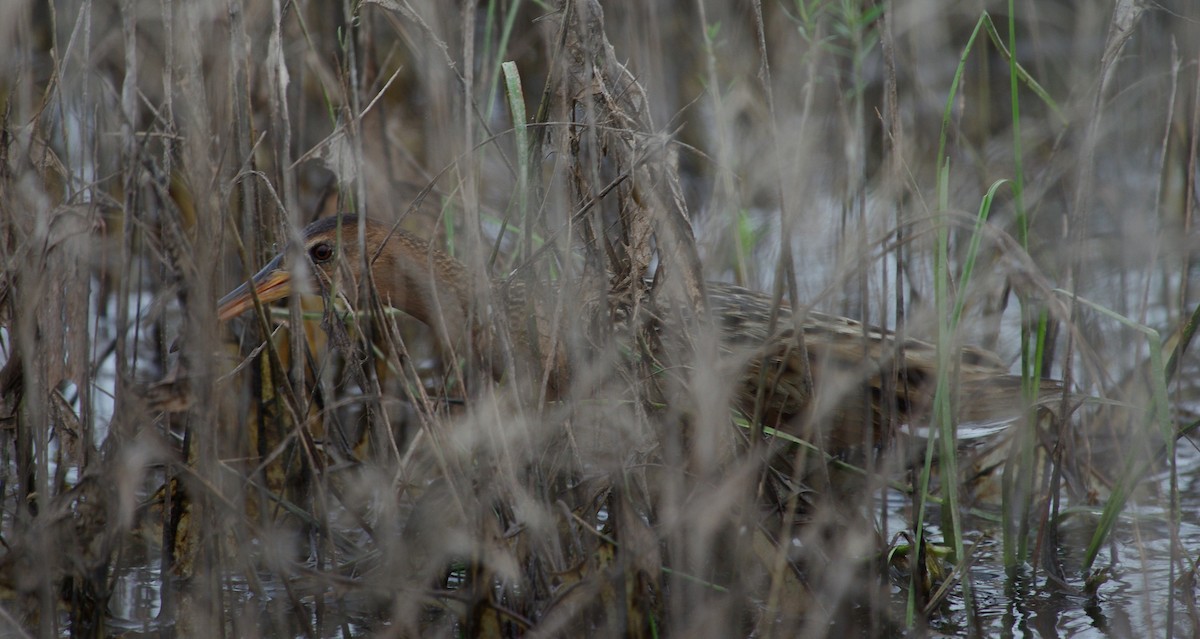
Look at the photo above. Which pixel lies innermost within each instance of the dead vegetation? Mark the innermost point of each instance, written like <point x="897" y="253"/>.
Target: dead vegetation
<point x="162" y="473"/>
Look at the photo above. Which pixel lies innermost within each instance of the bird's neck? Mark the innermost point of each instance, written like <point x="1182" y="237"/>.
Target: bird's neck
<point x="426" y="283"/>
<point x="437" y="289"/>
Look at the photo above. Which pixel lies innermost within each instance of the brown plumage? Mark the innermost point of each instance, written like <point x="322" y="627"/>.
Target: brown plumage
<point x="856" y="376"/>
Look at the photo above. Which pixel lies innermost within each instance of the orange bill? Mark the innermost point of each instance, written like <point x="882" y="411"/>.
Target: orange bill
<point x="273" y="282"/>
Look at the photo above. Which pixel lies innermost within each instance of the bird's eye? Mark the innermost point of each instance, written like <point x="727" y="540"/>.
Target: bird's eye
<point x="322" y="252"/>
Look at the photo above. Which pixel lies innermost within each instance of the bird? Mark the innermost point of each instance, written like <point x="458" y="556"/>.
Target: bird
<point x="824" y="377"/>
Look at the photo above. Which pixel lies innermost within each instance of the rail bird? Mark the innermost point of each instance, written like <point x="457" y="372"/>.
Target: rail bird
<point x="837" y="380"/>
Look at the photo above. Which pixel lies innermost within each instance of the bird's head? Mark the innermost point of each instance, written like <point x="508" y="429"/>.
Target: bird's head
<point x="408" y="273"/>
<point x="333" y="260"/>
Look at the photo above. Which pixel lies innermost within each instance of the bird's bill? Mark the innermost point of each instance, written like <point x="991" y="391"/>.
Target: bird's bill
<point x="273" y="282"/>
